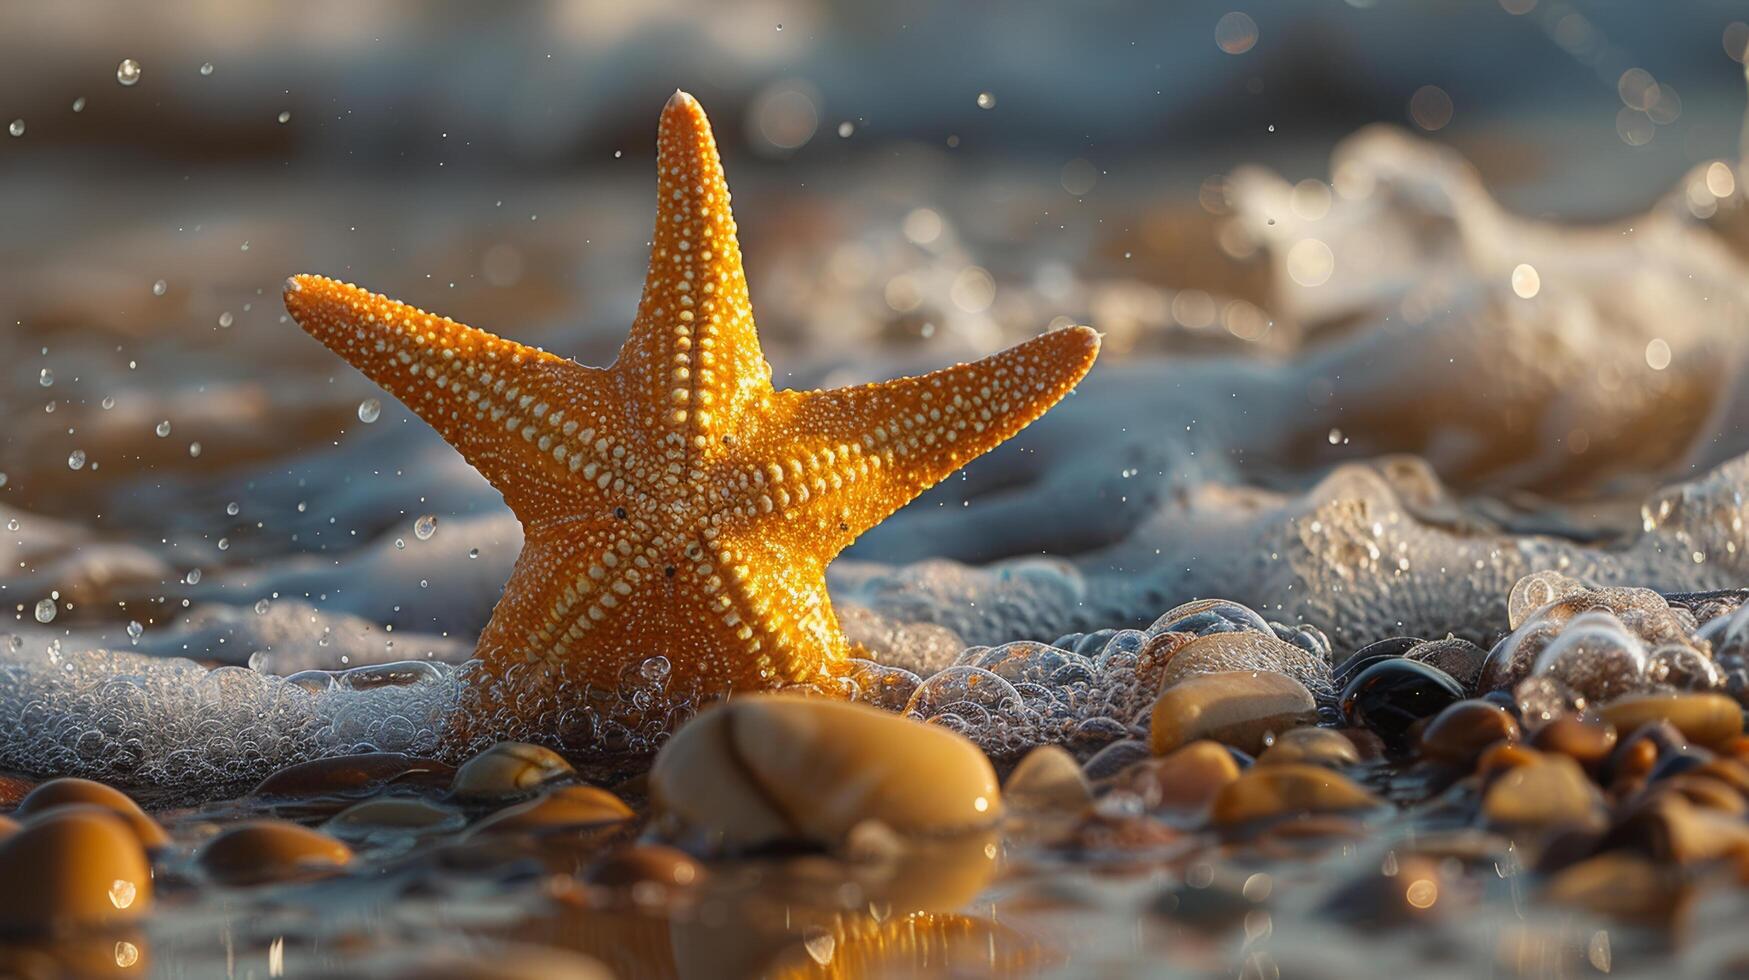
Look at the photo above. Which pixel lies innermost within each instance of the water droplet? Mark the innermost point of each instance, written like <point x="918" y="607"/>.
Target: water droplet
<point x="1335" y="437"/>
<point x="1658" y="354"/>
<point x="76" y="459"/>
<point x="369" y="410"/>
<point x="425" y="527"/>
<point x="192" y="578"/>
<point x="261" y="606"/>
<point x="194" y="449"/>
<point x="424" y="584"/>
<point x="160" y="287"/>
<point x="45" y="610"/>
<point x="45" y="377"/>
<point x="232" y="508"/>
<point x="259" y="661"/>
<point x="135" y="629"/>
<point x="17" y="127"/>
<point x="986" y="100"/>
<point x="401" y="543"/>
<point x="79" y="104"/>
<point x="12" y="524"/>
<point x="2" y="479"/>
<point x="224" y="544"/>
<point x="108" y="402"/>
<point x="472" y="552"/>
<point x="206" y="69"/>
<point x="845" y="128"/>
<point x="285" y="116"/>
<point x="128" y="72"/>
<point x="225" y="319"/>
<point x="163" y="428"/>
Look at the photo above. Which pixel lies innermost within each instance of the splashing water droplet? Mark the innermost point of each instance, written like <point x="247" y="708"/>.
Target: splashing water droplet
<point x="108" y="402"/>
<point x="194" y="449"/>
<point x="986" y="100"/>
<point x="12" y="524"/>
<point x="472" y="552"/>
<point x="163" y="428"/>
<point x="846" y="128"/>
<point x="192" y="578"/>
<point x="400" y="543"/>
<point x="425" y="527"/>
<point x="160" y="287"/>
<point x="285" y="116"/>
<point x="206" y="69"/>
<point x="135" y="630"/>
<point x="1335" y="437"/>
<point x="17" y="127"/>
<point x="76" y="459"/>
<point x="45" y="378"/>
<point x="261" y="607"/>
<point x="79" y="104"/>
<point x="128" y="72"/>
<point x="45" y="610"/>
<point x="369" y="410"/>
<point x="233" y="509"/>
<point x="2" y="479"/>
<point x="226" y="319"/>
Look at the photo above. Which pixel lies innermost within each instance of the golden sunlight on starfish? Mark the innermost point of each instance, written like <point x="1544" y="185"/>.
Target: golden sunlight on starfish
<point x="674" y="504"/>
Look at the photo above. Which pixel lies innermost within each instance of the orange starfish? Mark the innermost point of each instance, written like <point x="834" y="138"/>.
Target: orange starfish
<point x="675" y="504"/>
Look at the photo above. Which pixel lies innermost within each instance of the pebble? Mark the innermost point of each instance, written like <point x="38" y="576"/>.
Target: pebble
<point x="1459" y="734"/>
<point x="393" y="813"/>
<point x="653" y="863"/>
<point x="764" y="768"/>
<point x="508" y="769"/>
<point x="1409" y="893"/>
<point x="264" y="851"/>
<point x="1264" y="792"/>
<point x="1047" y="780"/>
<point x="499" y="961"/>
<point x="1545" y="791"/>
<point x="1705" y="717"/>
<point x="1389" y="697"/>
<point x="1621" y="885"/>
<point x="1586" y="740"/>
<point x="1237" y="708"/>
<point x="1314" y="746"/>
<point x="365" y="772"/>
<point x="74" y="865"/>
<point x="558" y="809"/>
<point x="70" y="791"/>
<point x="1668" y="827"/>
<point x="1188" y="778"/>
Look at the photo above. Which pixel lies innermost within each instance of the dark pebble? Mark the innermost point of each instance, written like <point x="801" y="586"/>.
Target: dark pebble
<point x="1390" y="696"/>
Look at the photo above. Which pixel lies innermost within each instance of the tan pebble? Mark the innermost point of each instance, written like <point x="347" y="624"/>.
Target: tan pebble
<point x="653" y="863"/>
<point x="1313" y="746"/>
<point x="1729" y="771"/>
<point x="76" y="864"/>
<point x="1263" y="792"/>
<point x="71" y="791"/>
<point x="1668" y="827"/>
<point x="394" y="813"/>
<point x="509" y="961"/>
<point x="1460" y="733"/>
<point x="270" y="850"/>
<point x="1237" y="708"/>
<point x="1586" y="740"/>
<point x="1501" y="756"/>
<point x="557" y="809"/>
<point x="1187" y="779"/>
<point x="508" y="769"/>
<point x="763" y="768"/>
<point x="1621" y="885"/>
<point x="1047" y="780"/>
<point x="1708" y="792"/>
<point x="1547" y="791"/>
<point x="354" y="775"/>
<point x="1704" y="717"/>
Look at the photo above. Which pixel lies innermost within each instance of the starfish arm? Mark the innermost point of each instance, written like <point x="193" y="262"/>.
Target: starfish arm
<point x="692" y="363"/>
<point x="764" y="597"/>
<point x="853" y="456"/>
<point x="530" y="422"/>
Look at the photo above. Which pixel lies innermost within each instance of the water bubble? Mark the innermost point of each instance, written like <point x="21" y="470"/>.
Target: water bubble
<point x="846" y="128"/>
<point x="369" y="410"/>
<point x="1525" y="281"/>
<point x="128" y="72"/>
<point x="1658" y="354"/>
<point x="986" y="100"/>
<point x="233" y="509"/>
<point x="79" y="104"/>
<point x="76" y="459"/>
<point x="134" y="630"/>
<point x="226" y="319"/>
<point x="108" y="402"/>
<point x="12" y="524"/>
<point x="160" y="287"/>
<point x="472" y="552"/>
<point x="1235" y="32"/>
<point x="425" y="527"/>
<point x="45" y="377"/>
<point x="17" y="127"/>
<point x="206" y="69"/>
<point x="261" y="606"/>
<point x="192" y="578"/>
<point x="194" y="449"/>
<point x="163" y="428"/>
<point x="285" y="116"/>
<point x="224" y="544"/>
<point x="1335" y="437"/>
<point x="401" y="543"/>
<point x="45" y="610"/>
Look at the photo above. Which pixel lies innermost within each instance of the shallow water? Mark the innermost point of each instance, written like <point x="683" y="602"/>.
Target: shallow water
<point x="1378" y="434"/>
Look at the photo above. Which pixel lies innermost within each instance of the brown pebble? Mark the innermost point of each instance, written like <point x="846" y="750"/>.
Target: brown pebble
<point x="1411" y="894"/>
<point x="354" y="775"/>
<point x="1188" y="779"/>
<point x="1703" y="717"/>
<point x="1047" y="780"/>
<point x="73" y="865"/>
<point x="764" y="768"/>
<point x="557" y="809"/>
<point x="1313" y="746"/>
<point x="1546" y="791"/>
<point x="666" y="866"/>
<point x="1622" y="885"/>
<point x="1460" y="734"/>
<point x="1264" y="792"/>
<point x="1667" y="827"/>
<point x="1240" y="708"/>
<point x="1501" y="756"/>
<point x="70" y="791"/>
<point x="498" y="961"/>
<point x="1708" y="792"/>
<point x="393" y="813"/>
<point x="508" y="769"/>
<point x="1584" y="739"/>
<point x="270" y="850"/>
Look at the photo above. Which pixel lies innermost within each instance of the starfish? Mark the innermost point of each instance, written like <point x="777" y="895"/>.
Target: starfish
<point x="675" y="504"/>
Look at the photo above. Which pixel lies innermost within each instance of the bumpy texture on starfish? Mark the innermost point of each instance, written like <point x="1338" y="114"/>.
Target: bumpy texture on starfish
<point x="674" y="503"/>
